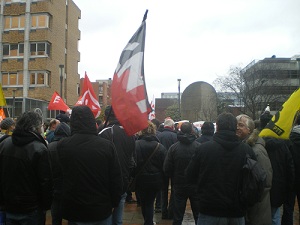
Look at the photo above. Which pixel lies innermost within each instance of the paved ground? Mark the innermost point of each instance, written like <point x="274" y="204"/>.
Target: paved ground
<point x="133" y="216"/>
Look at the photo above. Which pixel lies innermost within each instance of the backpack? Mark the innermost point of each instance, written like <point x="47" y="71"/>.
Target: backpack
<point x="252" y="184"/>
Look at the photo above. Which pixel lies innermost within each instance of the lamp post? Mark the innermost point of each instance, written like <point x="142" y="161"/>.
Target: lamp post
<point x="61" y="67"/>
<point x="179" y="111"/>
<point x="14" y="103"/>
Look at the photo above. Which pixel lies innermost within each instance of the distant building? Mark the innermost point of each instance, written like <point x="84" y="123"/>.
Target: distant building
<point x="104" y="92"/>
<point x="170" y="95"/>
<point x="161" y="105"/>
<point x="39" y="53"/>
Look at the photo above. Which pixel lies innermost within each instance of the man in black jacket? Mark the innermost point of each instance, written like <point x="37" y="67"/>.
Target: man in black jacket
<point x="92" y="184"/>
<point x="125" y="148"/>
<point x="25" y="174"/>
<point x="216" y="168"/>
<point x="178" y="158"/>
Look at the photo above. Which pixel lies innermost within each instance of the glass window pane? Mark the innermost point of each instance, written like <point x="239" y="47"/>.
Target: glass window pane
<point x="22" y="22"/>
<point x="33" y="21"/>
<point x="48" y="49"/>
<point x="5" y="79"/>
<point x="21" y="49"/>
<point x="20" y="78"/>
<point x="12" y="78"/>
<point x="41" y="48"/>
<point x="40" y="78"/>
<point x="13" y="50"/>
<point x="42" y="20"/>
<point x="7" y="22"/>
<point x="32" y="78"/>
<point x="14" y="22"/>
<point x="5" y="50"/>
<point x="33" y="49"/>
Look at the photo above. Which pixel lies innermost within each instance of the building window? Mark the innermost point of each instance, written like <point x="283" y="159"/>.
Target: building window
<point x="14" y="22"/>
<point x="13" y="50"/>
<point x="12" y="79"/>
<point x="40" y="49"/>
<point x="15" y="1"/>
<point x="39" y="21"/>
<point x="39" y="78"/>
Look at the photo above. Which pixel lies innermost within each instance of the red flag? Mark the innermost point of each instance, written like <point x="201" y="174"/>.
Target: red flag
<point x="79" y="101"/>
<point x="2" y="114"/>
<point x="129" y="97"/>
<point x="89" y="98"/>
<point x="57" y="103"/>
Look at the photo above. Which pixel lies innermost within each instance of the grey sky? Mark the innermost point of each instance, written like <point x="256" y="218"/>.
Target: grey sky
<point x="194" y="40"/>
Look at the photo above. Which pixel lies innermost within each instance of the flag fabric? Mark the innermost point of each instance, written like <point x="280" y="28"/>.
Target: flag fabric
<point x="129" y="96"/>
<point x="2" y="98"/>
<point x="57" y="103"/>
<point x="89" y="98"/>
<point x="152" y="113"/>
<point x="2" y="114"/>
<point x="79" y="101"/>
<point x="282" y="122"/>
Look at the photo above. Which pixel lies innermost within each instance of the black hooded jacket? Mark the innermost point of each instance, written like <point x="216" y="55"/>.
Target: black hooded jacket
<point x="216" y="168"/>
<point x="295" y="150"/>
<point x="92" y="183"/>
<point x="178" y="157"/>
<point x="25" y="173"/>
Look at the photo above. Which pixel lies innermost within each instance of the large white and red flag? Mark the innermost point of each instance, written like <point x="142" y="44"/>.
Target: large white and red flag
<point x="129" y="96"/>
<point x="152" y="113"/>
<point x="57" y="103"/>
<point x="89" y="98"/>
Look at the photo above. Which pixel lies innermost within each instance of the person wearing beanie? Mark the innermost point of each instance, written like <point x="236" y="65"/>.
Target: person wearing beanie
<point x="178" y="157"/>
<point x="7" y="127"/>
<point x="207" y="132"/>
<point x="92" y="177"/>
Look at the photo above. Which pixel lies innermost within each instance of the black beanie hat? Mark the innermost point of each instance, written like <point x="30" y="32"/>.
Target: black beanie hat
<point x="7" y="123"/>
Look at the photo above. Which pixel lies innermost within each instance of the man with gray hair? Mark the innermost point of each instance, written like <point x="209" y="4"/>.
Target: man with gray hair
<point x="167" y="138"/>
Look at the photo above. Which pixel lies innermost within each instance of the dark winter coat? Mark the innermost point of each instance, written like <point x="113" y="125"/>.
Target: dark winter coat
<point x="216" y="167"/>
<point x="151" y="177"/>
<point x="283" y="170"/>
<point x="92" y="182"/>
<point x="260" y="213"/>
<point x="125" y="146"/>
<point x="167" y="137"/>
<point x="204" y="138"/>
<point x="178" y="157"/>
<point x="25" y="174"/>
<point x="295" y="150"/>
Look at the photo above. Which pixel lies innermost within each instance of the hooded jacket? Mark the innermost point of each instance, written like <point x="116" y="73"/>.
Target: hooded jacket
<point x="92" y="183"/>
<point x="178" y="158"/>
<point x="25" y="174"/>
<point x="260" y="213"/>
<point x="295" y="150"/>
<point x="216" y="168"/>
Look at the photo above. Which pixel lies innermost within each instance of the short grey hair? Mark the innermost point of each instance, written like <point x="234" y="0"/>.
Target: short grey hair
<point x="169" y="123"/>
<point x="249" y="121"/>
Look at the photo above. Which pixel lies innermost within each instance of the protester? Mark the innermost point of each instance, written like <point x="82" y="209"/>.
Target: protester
<point x="260" y="213"/>
<point x="125" y="148"/>
<point x="207" y="132"/>
<point x="288" y="206"/>
<point x="178" y="158"/>
<point x="149" y="171"/>
<point x="167" y="137"/>
<point x="92" y="182"/>
<point x="61" y="131"/>
<point x="216" y="168"/>
<point x="25" y="174"/>
<point x="283" y="170"/>
<point x="50" y="133"/>
<point x="7" y="126"/>
<point x="63" y="116"/>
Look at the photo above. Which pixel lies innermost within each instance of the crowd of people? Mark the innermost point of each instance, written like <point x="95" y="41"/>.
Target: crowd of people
<point x="80" y="169"/>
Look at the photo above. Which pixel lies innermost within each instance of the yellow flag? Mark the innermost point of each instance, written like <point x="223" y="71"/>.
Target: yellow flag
<point x="2" y="99"/>
<point x="281" y="124"/>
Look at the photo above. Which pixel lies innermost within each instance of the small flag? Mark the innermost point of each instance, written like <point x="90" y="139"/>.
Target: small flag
<point x="281" y="124"/>
<point x="2" y="114"/>
<point x="79" y="101"/>
<point x="89" y="98"/>
<point x="2" y="98"/>
<point x="129" y="96"/>
<point x="152" y="114"/>
<point x="57" y="103"/>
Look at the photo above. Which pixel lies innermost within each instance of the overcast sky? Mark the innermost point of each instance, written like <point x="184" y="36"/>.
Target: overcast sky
<point x="193" y="40"/>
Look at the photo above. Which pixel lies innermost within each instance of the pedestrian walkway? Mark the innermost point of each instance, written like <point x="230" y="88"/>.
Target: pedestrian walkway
<point x="133" y="216"/>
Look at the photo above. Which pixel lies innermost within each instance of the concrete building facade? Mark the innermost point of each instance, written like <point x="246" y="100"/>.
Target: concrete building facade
<point x="39" y="53"/>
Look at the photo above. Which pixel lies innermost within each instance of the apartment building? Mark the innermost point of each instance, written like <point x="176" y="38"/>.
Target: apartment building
<point x="39" y="53"/>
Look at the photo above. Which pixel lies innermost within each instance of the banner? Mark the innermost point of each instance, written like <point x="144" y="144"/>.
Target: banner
<point x="57" y="103"/>
<point x="282" y="122"/>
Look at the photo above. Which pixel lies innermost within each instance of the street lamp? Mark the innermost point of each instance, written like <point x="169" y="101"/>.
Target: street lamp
<point x="61" y="67"/>
<point x="179" y="98"/>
